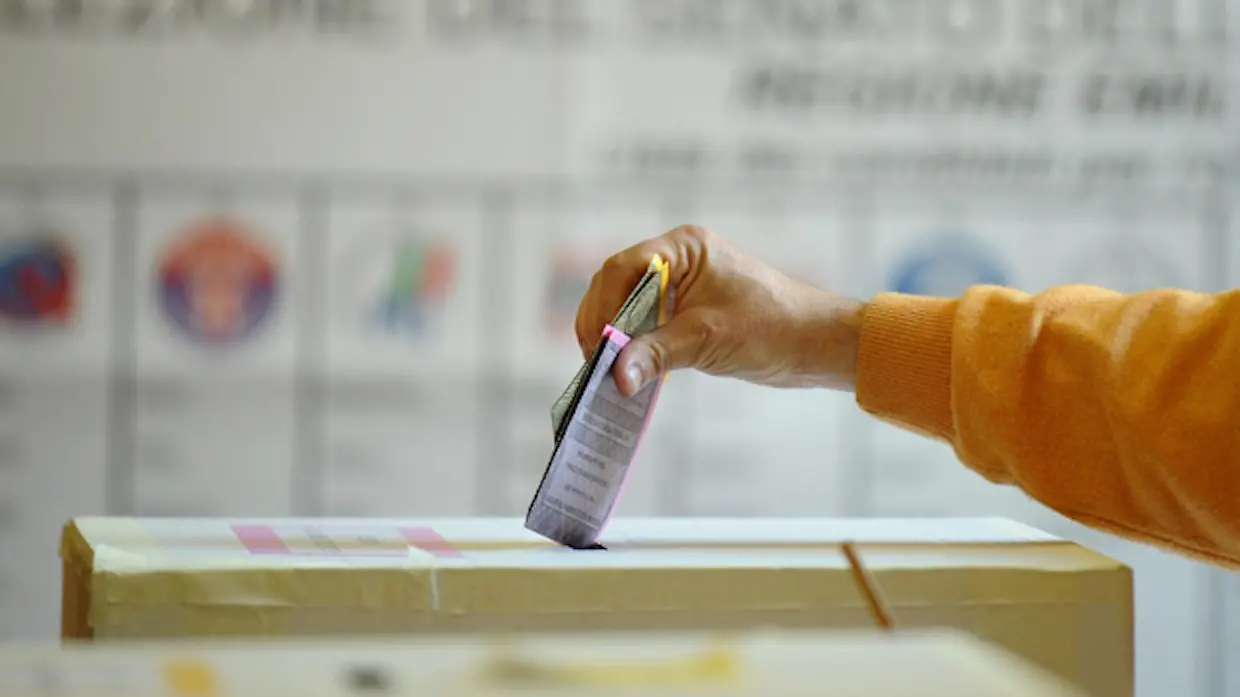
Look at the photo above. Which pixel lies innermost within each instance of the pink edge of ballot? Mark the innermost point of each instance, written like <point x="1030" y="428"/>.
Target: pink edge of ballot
<point x="589" y="469"/>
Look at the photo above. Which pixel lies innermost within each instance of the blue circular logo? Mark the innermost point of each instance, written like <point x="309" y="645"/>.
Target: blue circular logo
<point x="946" y="267"/>
<point x="217" y="284"/>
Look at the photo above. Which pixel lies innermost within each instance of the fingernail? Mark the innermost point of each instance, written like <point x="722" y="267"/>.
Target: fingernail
<point x="636" y="376"/>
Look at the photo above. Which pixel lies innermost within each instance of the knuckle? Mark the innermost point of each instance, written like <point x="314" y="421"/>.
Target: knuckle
<point x="612" y="266"/>
<point x="709" y="330"/>
<point x="597" y="279"/>
<point x="716" y="342"/>
<point x="695" y="233"/>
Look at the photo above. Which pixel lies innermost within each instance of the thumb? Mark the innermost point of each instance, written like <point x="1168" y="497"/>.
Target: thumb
<point x="673" y="346"/>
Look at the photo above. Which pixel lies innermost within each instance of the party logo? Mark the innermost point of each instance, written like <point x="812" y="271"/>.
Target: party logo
<point x="395" y="280"/>
<point x="946" y="267"/>
<point x="413" y="286"/>
<point x="217" y="283"/>
<point x="38" y="278"/>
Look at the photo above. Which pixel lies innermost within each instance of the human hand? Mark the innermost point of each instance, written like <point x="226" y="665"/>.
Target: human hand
<point x="734" y="316"/>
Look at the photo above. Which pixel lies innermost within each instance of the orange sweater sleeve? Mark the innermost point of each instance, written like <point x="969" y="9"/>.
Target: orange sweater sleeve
<point x="1119" y="411"/>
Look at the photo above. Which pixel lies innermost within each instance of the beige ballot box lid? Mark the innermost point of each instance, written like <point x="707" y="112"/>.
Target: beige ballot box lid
<point x="852" y="664"/>
<point x="1058" y="604"/>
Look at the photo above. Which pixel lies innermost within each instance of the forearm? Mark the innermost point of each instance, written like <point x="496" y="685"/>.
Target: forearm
<point x="1120" y="411"/>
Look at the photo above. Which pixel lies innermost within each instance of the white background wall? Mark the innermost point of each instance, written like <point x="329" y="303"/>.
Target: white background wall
<point x="541" y="135"/>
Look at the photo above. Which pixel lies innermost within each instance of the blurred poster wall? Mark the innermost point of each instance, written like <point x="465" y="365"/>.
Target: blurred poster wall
<point x="321" y="257"/>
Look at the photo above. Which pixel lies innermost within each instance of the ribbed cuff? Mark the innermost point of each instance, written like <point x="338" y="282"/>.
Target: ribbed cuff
<point x="904" y="362"/>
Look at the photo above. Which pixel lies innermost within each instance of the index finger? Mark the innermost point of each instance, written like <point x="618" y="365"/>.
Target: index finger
<point x="615" y="280"/>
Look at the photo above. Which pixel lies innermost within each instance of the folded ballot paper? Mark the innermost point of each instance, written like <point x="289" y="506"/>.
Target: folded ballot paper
<point x="597" y="431"/>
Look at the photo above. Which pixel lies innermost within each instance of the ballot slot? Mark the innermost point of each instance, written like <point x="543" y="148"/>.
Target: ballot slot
<point x="590" y="463"/>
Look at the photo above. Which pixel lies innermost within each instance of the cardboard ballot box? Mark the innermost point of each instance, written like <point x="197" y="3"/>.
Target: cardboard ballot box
<point x="765" y="665"/>
<point x="1063" y="607"/>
